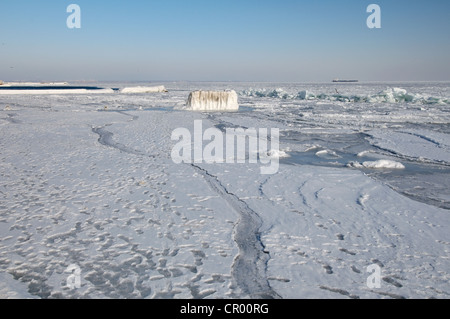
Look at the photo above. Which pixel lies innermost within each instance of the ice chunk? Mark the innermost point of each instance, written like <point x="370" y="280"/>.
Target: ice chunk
<point x="277" y="154"/>
<point x="383" y="164"/>
<point x="363" y="153"/>
<point x="380" y="164"/>
<point x="392" y="95"/>
<point x="416" y="144"/>
<point x="276" y="93"/>
<point x="279" y="94"/>
<point x="213" y="101"/>
<point x="389" y="95"/>
<point x="254" y="93"/>
<point x="305" y="95"/>
<point x="142" y="89"/>
<point x="355" y="164"/>
<point x="327" y="153"/>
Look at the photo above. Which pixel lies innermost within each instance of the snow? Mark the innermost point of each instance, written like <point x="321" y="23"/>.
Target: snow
<point x="418" y="144"/>
<point x="380" y="164"/>
<point x="384" y="164"/>
<point x="326" y="153"/>
<point x="321" y="233"/>
<point x="13" y="289"/>
<point x="277" y="154"/>
<point x="87" y="180"/>
<point x="142" y="89"/>
<point x="55" y="92"/>
<point x="212" y="101"/>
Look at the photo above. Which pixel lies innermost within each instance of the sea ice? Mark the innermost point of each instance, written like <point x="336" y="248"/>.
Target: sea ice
<point x="55" y="91"/>
<point x="389" y="95"/>
<point x="383" y="164"/>
<point x="380" y="164"/>
<point x="418" y="144"/>
<point x="213" y="101"/>
<point x="142" y="89"/>
<point x="277" y="154"/>
<point x="97" y="188"/>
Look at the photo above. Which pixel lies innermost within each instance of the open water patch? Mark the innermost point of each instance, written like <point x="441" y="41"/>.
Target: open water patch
<point x="421" y="181"/>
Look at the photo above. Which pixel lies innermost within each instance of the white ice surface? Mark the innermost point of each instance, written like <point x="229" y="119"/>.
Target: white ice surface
<point x="418" y="144"/>
<point x="55" y="92"/>
<point x="324" y="227"/>
<point x="143" y="89"/>
<point x="88" y="180"/>
<point x="380" y="164"/>
<point x="34" y="84"/>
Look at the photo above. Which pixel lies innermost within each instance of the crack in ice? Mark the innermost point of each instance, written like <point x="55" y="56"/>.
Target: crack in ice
<point x="105" y="138"/>
<point x="249" y="267"/>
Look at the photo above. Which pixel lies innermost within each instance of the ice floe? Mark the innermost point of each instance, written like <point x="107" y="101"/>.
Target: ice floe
<point x="380" y="164"/>
<point x="143" y="89"/>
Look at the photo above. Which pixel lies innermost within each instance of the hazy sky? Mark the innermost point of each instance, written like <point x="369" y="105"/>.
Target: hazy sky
<point x="249" y="40"/>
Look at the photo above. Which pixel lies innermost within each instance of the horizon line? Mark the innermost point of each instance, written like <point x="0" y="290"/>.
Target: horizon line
<point x="219" y="81"/>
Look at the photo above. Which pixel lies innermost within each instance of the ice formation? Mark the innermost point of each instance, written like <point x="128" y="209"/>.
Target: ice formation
<point x="277" y="93"/>
<point x="213" y="101"/>
<point x="390" y="95"/>
<point x="142" y="89"/>
<point x="380" y="164"/>
<point x="277" y="154"/>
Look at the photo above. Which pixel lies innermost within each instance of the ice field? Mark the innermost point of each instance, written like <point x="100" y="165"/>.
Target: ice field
<point x="88" y="180"/>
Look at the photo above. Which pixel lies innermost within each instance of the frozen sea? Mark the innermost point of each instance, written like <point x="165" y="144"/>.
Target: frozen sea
<point x="87" y="183"/>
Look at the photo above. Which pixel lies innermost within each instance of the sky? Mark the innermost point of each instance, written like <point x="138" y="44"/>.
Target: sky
<point x="225" y="40"/>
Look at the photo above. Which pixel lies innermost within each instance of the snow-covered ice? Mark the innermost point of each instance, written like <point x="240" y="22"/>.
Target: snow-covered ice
<point x="212" y="101"/>
<point x="55" y="92"/>
<point x="88" y="180"/>
<point x="9" y="84"/>
<point x="380" y="164"/>
<point x="143" y="89"/>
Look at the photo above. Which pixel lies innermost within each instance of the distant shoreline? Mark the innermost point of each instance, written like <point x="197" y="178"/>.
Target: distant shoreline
<point x="43" y="88"/>
<point x="345" y="81"/>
